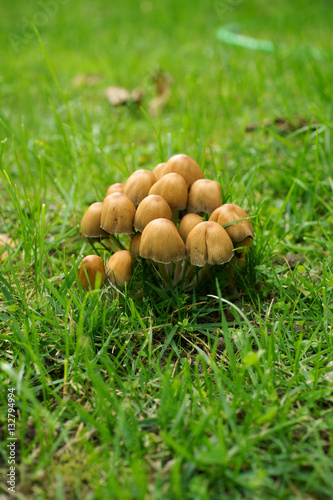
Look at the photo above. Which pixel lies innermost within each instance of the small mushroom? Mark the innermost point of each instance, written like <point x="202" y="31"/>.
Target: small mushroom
<point x="229" y="213"/>
<point x="91" y="222"/>
<point x="206" y="243"/>
<point x="118" y="187"/>
<point x="89" y="270"/>
<point x="117" y="214"/>
<point x="160" y="242"/>
<point x="158" y="171"/>
<point x="204" y="196"/>
<point x="187" y="223"/>
<point x="135" y="245"/>
<point x="172" y="187"/>
<point x="150" y="208"/>
<point x="138" y="184"/>
<point x="185" y="166"/>
<point x="119" y="268"/>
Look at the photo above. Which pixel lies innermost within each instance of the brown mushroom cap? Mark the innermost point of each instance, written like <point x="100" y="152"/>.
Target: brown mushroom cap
<point x="135" y="245"/>
<point x="160" y="242"/>
<point x="119" y="268"/>
<point x="204" y="196"/>
<point x="225" y="214"/>
<point x="187" y="223"/>
<point x="118" y="214"/>
<point x="150" y="208"/>
<point x="158" y="171"/>
<point x="118" y="187"/>
<point x="138" y="184"/>
<point x="91" y="222"/>
<point x="206" y="243"/>
<point x="172" y="187"/>
<point x="90" y="267"/>
<point x="185" y="166"/>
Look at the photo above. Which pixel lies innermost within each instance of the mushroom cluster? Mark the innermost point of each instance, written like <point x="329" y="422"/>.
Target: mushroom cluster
<point x="176" y="221"/>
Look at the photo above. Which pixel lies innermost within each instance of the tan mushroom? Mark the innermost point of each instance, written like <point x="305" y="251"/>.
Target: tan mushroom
<point x="158" y="171"/>
<point x="185" y="166"/>
<point x="91" y="222"/>
<point x="150" y="208"/>
<point x="160" y="242"/>
<point x="135" y="244"/>
<point x="91" y="272"/>
<point x="187" y="223"/>
<point x="138" y="184"/>
<point x="204" y="196"/>
<point x="172" y="187"/>
<point x="118" y="187"/>
<point x="206" y="243"/>
<point x="118" y="213"/>
<point x="119" y="268"/>
<point x="241" y="233"/>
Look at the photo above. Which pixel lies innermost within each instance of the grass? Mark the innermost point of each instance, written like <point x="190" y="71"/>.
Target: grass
<point x="154" y="394"/>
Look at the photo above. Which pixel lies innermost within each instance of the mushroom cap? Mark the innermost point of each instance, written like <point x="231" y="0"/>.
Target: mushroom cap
<point x="172" y="187"/>
<point x="206" y="243"/>
<point x="185" y="166"/>
<point x="91" y="266"/>
<point x="118" y="187"/>
<point x="117" y="214"/>
<point x="138" y="185"/>
<point x="187" y="223"/>
<point x="160" y="242"/>
<point x="225" y="214"/>
<point x="91" y="222"/>
<point x="150" y="208"/>
<point x="119" y="268"/>
<point x="205" y="195"/>
<point x="158" y="171"/>
<point x="135" y="244"/>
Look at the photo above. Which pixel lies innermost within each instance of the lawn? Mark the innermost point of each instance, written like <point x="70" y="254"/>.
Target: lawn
<point x="147" y="393"/>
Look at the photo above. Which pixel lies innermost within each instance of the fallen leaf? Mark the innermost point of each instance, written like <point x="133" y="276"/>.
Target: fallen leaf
<point x="329" y="375"/>
<point x="162" y="82"/>
<point x="282" y="124"/>
<point x="118" y="96"/>
<point x="88" y="79"/>
<point x="5" y="240"/>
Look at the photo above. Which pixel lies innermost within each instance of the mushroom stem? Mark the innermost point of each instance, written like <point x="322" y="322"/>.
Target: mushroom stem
<point x="178" y="272"/>
<point x="200" y="275"/>
<point x="165" y="275"/>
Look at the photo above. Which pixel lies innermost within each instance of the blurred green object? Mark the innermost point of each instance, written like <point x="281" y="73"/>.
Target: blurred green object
<point x="228" y="34"/>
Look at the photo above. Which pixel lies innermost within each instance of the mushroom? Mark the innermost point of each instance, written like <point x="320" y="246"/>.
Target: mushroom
<point x="204" y="196"/>
<point x="187" y="223"/>
<point x="241" y="232"/>
<point x="91" y="272"/>
<point x="119" y="268"/>
<point x="172" y="187"/>
<point x="206" y="243"/>
<point x="135" y="244"/>
<point x="91" y="222"/>
<point x="138" y="185"/>
<point x="158" y="171"/>
<point x="160" y="242"/>
<point x="185" y="166"/>
<point x="118" y="187"/>
<point x="117" y="214"/>
<point x="150" y="208"/>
